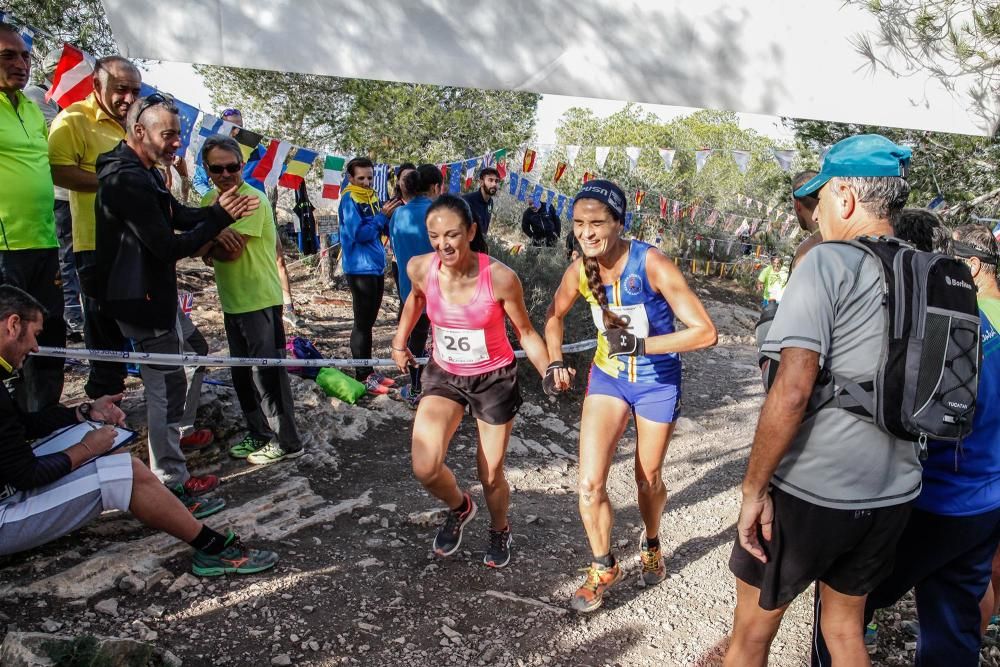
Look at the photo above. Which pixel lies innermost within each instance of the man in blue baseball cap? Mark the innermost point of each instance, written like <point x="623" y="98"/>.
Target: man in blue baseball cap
<point x="826" y="500"/>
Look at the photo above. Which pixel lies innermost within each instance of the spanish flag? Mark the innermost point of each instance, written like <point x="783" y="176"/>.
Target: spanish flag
<point x="529" y="161"/>
<point x="560" y="170"/>
<point x="587" y="176"/>
<point x="639" y="196"/>
<point x="297" y="167"/>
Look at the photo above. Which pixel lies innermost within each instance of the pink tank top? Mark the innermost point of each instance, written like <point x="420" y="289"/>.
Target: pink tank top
<point x="470" y="339"/>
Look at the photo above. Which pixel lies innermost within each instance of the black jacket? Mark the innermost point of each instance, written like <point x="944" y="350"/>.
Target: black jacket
<point x="541" y="226"/>
<point x="20" y="469"/>
<point x="137" y="249"/>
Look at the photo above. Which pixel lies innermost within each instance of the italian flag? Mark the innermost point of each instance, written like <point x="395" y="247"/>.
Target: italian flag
<point x="333" y="175"/>
<point x="73" y="78"/>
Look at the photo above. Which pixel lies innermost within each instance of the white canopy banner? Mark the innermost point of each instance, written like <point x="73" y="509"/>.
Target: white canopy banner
<point x="783" y="57"/>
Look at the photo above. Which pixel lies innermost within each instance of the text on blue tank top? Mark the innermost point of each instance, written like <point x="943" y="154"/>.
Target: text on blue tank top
<point x="649" y="314"/>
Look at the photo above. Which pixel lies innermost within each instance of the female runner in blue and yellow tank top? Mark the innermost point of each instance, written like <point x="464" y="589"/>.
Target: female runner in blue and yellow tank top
<point x="634" y="293"/>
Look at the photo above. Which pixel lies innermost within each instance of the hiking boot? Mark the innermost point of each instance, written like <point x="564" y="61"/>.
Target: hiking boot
<point x="590" y="595"/>
<point x="373" y="383"/>
<point x="411" y="397"/>
<point x="196" y="486"/>
<point x="199" y="507"/>
<point x="197" y="440"/>
<point x="273" y="453"/>
<point x="247" y="446"/>
<point x="234" y="559"/>
<point x="498" y="553"/>
<point x="449" y="535"/>
<point x="653" y="569"/>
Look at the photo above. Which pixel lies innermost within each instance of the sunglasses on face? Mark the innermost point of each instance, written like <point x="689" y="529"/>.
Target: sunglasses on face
<point x="230" y="168"/>
<point x="152" y="101"/>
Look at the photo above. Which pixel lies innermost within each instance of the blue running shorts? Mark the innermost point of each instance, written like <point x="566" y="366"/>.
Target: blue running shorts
<point x="650" y="400"/>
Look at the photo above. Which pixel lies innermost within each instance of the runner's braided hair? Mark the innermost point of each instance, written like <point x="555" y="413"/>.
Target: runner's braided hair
<point x="592" y="269"/>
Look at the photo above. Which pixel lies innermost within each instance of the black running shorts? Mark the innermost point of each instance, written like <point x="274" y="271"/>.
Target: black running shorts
<point x="849" y="550"/>
<point x="492" y="397"/>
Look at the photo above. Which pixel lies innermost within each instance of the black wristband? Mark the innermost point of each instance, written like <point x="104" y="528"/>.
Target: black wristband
<point x="555" y="364"/>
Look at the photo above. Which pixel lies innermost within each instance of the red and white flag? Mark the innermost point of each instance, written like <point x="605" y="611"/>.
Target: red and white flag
<point x="73" y="79"/>
<point x="268" y="169"/>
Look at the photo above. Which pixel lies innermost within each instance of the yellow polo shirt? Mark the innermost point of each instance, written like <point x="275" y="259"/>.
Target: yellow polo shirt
<point x="80" y="133"/>
<point x="26" y="196"/>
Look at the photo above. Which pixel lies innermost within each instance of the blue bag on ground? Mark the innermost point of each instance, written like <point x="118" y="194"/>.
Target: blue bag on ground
<point x="302" y="348"/>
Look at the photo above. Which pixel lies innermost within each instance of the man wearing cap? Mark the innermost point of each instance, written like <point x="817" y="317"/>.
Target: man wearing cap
<point x="73" y="308"/>
<point x="29" y="251"/>
<point x="826" y="500"/>
<point x="946" y="551"/>
<point x="804" y="207"/>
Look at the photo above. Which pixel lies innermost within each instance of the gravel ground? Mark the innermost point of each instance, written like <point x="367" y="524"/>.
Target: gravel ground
<point x="357" y="583"/>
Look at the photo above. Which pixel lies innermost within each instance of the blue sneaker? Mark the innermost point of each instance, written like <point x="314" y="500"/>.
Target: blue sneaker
<point x="871" y="637"/>
<point x="410" y="396"/>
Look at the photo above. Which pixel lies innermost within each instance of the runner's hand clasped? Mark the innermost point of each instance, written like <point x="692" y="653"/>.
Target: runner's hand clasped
<point x="624" y="343"/>
<point x="557" y="378"/>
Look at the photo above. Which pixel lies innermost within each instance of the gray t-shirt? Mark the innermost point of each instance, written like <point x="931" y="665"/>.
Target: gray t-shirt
<point x="833" y="305"/>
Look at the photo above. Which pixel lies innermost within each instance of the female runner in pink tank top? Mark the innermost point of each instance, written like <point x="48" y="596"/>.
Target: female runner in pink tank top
<point x="468" y="297"/>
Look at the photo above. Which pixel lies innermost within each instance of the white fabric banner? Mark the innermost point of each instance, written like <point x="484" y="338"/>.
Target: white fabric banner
<point x="700" y="157"/>
<point x="667" y="155"/>
<point x="742" y="160"/>
<point x="601" y="155"/>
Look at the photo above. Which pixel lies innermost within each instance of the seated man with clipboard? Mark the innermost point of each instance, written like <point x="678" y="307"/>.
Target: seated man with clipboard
<point x="44" y="496"/>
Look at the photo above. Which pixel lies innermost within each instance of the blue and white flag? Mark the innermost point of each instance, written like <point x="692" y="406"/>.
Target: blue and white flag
<point x="380" y="184"/>
<point x="513" y="183"/>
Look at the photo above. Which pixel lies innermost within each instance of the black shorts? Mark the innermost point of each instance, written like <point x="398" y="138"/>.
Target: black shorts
<point x="492" y="397"/>
<point x="849" y="550"/>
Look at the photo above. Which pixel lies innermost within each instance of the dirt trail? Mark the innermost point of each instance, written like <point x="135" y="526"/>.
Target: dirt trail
<point x="357" y="583"/>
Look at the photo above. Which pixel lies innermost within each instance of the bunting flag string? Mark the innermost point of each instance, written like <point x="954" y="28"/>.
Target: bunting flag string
<point x="601" y="155"/>
<point x="571" y="153"/>
<point x="667" y="155"/>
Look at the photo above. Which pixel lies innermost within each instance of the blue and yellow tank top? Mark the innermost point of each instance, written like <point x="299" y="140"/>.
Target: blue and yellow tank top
<point x="648" y="313"/>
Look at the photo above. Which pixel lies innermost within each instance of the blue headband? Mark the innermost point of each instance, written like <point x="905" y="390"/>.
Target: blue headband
<point x="605" y="192"/>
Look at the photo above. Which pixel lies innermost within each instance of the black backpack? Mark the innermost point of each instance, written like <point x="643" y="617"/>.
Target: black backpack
<point x="926" y="382"/>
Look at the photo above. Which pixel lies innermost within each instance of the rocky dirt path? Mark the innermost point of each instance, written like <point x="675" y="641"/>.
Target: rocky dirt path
<point x="357" y="583"/>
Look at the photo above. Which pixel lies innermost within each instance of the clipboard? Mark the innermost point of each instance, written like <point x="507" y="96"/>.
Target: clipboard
<point x="71" y="435"/>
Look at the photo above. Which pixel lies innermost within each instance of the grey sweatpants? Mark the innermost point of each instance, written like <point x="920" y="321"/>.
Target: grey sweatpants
<point x="172" y="395"/>
<point x="31" y="518"/>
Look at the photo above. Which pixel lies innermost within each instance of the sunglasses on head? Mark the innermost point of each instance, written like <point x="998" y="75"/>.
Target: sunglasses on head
<point x="968" y="251"/>
<point x="152" y="101"/>
<point x="231" y="168"/>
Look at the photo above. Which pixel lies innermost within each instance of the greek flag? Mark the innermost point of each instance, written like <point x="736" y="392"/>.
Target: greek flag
<point x="381" y="182"/>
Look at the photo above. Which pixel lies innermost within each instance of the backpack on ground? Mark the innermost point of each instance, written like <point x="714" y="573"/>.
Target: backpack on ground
<point x="926" y="381"/>
<point x="302" y="348"/>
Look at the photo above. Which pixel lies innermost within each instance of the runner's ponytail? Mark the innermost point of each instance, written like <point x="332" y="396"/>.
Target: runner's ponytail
<point x="593" y="271"/>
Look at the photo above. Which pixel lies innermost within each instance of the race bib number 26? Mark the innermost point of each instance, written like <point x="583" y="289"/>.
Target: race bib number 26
<point x="460" y="346"/>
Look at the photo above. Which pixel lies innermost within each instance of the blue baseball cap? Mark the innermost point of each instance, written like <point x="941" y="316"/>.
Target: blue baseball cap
<point x="860" y="156"/>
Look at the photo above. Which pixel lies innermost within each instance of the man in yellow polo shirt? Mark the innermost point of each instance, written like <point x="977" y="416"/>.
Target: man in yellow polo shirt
<point x="251" y="297"/>
<point x="29" y="251"/>
<point x="81" y="132"/>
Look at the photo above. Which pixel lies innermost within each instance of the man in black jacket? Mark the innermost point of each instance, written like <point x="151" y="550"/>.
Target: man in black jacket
<point x="45" y="497"/>
<point x="137" y="251"/>
<point x="541" y="224"/>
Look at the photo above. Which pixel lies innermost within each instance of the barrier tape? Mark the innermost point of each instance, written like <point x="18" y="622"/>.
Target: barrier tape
<point x="207" y="360"/>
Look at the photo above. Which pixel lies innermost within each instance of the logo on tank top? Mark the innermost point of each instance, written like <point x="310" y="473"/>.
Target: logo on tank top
<point x="633" y="284"/>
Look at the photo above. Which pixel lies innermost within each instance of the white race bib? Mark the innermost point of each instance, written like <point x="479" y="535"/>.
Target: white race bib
<point x="635" y="314"/>
<point x="460" y="346"/>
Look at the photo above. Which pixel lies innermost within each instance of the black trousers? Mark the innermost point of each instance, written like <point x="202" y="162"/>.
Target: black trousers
<point x="264" y="392"/>
<point x="366" y="297"/>
<point x="100" y="332"/>
<point x="40" y="383"/>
